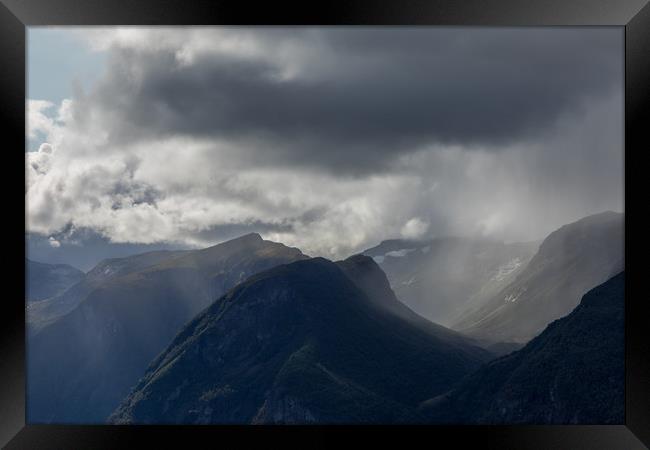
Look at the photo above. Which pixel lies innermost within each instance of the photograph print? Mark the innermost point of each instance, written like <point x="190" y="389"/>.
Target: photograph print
<point x="325" y="225"/>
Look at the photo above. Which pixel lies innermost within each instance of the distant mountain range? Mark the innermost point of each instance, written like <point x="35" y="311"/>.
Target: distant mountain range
<point x="570" y="261"/>
<point x="441" y="278"/>
<point x="83" y="363"/>
<point x="43" y="281"/>
<point x="253" y="331"/>
<point x="308" y="342"/>
<point x="44" y="312"/>
<point x="572" y="373"/>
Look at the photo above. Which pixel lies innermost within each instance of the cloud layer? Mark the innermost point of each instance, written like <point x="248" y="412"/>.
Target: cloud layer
<point x="332" y="138"/>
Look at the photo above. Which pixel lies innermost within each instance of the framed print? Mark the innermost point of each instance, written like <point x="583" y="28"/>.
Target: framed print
<point x="291" y="226"/>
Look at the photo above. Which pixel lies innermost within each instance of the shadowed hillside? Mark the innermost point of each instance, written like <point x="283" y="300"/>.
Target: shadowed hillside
<point x="572" y="373"/>
<point x="82" y="364"/>
<point x="307" y="342"/>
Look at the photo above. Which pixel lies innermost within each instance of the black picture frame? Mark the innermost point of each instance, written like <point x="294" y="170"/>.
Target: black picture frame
<point x="633" y="15"/>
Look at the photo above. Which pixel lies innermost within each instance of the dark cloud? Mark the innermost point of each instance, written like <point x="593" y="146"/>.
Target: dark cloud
<point x="333" y="139"/>
<point x="366" y="95"/>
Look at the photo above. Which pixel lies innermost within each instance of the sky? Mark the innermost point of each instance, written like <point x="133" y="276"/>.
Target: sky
<point x="328" y="139"/>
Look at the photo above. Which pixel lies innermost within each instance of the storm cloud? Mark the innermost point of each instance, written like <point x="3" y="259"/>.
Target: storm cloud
<point x="333" y="137"/>
<point x="355" y="99"/>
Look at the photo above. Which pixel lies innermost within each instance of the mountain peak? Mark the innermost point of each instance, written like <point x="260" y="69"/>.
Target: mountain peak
<point x="366" y="274"/>
<point x="570" y="261"/>
<point x="246" y="239"/>
<point x="167" y="292"/>
<point x="602" y="217"/>
<point x="48" y="280"/>
<point x="302" y="331"/>
<point x="595" y="227"/>
<point x="362" y="265"/>
<point x="251" y="236"/>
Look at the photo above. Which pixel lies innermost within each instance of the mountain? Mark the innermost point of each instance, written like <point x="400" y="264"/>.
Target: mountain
<point x="83" y="363"/>
<point x="44" y="312"/>
<point x="440" y="278"/>
<point x="569" y="262"/>
<point x="572" y="373"/>
<point x="48" y="280"/>
<point x="308" y="342"/>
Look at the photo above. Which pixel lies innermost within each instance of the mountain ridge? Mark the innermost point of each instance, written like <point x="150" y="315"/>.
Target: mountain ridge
<point x="570" y="261"/>
<point x="43" y="280"/>
<point x="308" y="335"/>
<point x="85" y="361"/>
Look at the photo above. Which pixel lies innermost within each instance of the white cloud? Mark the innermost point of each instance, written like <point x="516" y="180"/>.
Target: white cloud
<point x="176" y="190"/>
<point x="48" y="121"/>
<point x="37" y="119"/>
<point x="415" y="228"/>
<point x="151" y="192"/>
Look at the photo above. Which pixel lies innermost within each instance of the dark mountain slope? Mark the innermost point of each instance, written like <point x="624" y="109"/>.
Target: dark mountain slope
<point x="574" y="372"/>
<point x="570" y="261"/>
<point x="81" y="365"/>
<point x="48" y="280"/>
<point x="301" y="343"/>
<point x="365" y="273"/>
